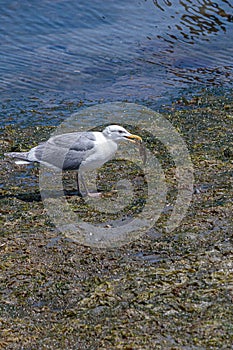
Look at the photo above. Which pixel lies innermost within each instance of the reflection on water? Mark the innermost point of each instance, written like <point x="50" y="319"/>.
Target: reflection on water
<point x="197" y="18"/>
<point x="198" y="46"/>
<point x="114" y="50"/>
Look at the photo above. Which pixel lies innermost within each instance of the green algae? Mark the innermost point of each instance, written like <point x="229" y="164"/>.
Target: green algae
<point x="164" y="291"/>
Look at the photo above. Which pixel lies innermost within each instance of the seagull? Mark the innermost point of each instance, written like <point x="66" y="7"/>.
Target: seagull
<point x="80" y="151"/>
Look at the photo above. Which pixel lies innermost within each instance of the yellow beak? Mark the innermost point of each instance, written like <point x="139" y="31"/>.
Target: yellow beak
<point x="134" y="138"/>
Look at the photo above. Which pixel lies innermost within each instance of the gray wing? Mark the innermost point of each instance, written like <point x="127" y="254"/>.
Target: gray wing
<point x="65" y="151"/>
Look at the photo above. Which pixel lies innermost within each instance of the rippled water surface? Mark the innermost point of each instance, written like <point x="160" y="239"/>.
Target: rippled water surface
<point x="113" y="50"/>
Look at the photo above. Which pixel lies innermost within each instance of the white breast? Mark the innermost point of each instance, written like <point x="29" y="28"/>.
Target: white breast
<point x="103" y="151"/>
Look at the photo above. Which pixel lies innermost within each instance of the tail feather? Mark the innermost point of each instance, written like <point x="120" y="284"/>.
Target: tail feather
<point x="20" y="157"/>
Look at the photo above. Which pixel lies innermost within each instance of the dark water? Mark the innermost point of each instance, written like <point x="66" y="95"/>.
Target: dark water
<point x="113" y="50"/>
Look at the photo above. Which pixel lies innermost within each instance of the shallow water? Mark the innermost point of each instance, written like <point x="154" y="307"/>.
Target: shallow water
<point x="113" y="51"/>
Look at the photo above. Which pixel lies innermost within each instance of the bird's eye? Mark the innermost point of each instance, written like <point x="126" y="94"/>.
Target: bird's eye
<point x="120" y="131"/>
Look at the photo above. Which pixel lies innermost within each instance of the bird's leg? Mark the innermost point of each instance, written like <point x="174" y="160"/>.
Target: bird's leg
<point x="78" y="187"/>
<point x="90" y="194"/>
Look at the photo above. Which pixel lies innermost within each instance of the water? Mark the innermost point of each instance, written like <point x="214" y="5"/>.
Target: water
<point x="56" y="51"/>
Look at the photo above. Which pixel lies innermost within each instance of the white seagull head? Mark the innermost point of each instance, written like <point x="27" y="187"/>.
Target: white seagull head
<point x="118" y="133"/>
